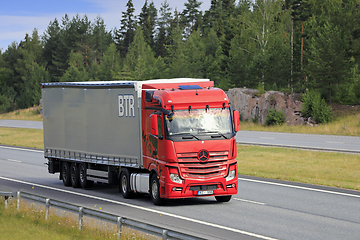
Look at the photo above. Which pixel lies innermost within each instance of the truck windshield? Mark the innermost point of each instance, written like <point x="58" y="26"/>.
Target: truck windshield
<point x="198" y="121"/>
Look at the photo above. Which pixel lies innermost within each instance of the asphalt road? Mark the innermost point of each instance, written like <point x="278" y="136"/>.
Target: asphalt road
<point x="305" y="141"/>
<point x="263" y="209"/>
<point x="21" y="124"/>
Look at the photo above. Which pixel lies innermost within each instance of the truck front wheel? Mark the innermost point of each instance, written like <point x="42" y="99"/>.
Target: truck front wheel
<point x="65" y="174"/>
<point x="155" y="191"/>
<point x="124" y="185"/>
<point x="84" y="182"/>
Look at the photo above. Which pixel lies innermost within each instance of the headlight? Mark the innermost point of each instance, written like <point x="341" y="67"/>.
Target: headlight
<point x="231" y="175"/>
<point x="175" y="178"/>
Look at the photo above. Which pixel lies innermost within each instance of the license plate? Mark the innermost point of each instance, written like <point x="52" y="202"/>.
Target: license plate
<point x="209" y="192"/>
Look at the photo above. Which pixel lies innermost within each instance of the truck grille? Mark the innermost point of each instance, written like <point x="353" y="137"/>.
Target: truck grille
<point x="192" y="167"/>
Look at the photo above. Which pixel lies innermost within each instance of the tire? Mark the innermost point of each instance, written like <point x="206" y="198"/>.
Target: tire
<point x="65" y="174"/>
<point x="75" y="175"/>
<point x="223" y="198"/>
<point x="84" y="182"/>
<point x="124" y="184"/>
<point x="155" y="191"/>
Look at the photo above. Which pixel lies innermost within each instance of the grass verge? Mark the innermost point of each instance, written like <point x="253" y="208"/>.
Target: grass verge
<point x="30" y="223"/>
<point x="314" y="167"/>
<point x="347" y="125"/>
<point x="29" y="114"/>
<point x="32" y="138"/>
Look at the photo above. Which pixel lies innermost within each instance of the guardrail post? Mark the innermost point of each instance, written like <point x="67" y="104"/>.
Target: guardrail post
<point x="119" y="227"/>
<point x="164" y="235"/>
<point x="81" y="214"/>
<point x="47" y="206"/>
<point x="6" y="201"/>
<point x="18" y="196"/>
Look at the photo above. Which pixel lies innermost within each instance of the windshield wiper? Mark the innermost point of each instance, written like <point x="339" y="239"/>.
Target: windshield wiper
<point x="220" y="134"/>
<point x="187" y="135"/>
<point x="190" y="137"/>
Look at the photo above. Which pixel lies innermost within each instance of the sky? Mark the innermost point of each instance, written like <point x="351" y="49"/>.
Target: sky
<point x="20" y="17"/>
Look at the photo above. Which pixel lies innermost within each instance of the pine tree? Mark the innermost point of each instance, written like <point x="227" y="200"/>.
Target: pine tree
<point x="190" y="15"/>
<point x="162" y="37"/>
<point x="147" y="19"/>
<point x="127" y="30"/>
<point x="140" y="57"/>
<point x="51" y="42"/>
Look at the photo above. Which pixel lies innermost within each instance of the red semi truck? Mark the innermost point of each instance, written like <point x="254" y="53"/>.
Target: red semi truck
<point x="171" y="138"/>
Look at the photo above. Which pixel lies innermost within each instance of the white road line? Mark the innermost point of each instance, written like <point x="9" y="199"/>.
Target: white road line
<point x="144" y="209"/>
<point x="248" y="201"/>
<point x="12" y="160"/>
<point x="303" y="188"/>
<point x="22" y="149"/>
<point x="334" y="142"/>
<point x="267" y="137"/>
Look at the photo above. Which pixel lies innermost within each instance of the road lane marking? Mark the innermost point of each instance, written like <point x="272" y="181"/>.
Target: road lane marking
<point x="248" y="201"/>
<point x="12" y="160"/>
<point x="303" y="188"/>
<point x="266" y="137"/>
<point x="299" y="147"/>
<point x="22" y="149"/>
<point x="144" y="209"/>
<point x="334" y="142"/>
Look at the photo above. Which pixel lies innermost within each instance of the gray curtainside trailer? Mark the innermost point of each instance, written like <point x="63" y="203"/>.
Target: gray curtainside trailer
<point x="80" y="126"/>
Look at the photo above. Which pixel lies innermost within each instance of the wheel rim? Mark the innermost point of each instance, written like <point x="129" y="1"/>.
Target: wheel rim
<point x="82" y="174"/>
<point x="65" y="172"/>
<point x="154" y="190"/>
<point x="73" y="173"/>
<point x="124" y="184"/>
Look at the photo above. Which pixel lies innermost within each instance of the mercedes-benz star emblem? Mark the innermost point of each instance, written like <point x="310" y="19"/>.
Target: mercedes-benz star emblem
<point x="203" y="155"/>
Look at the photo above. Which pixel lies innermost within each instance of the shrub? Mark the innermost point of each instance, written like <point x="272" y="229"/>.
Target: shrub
<point x="275" y="117"/>
<point x="314" y="106"/>
<point x="255" y="119"/>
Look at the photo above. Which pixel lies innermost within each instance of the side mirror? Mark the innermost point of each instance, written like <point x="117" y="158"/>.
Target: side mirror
<point x="154" y="125"/>
<point x="149" y="96"/>
<point x="236" y="121"/>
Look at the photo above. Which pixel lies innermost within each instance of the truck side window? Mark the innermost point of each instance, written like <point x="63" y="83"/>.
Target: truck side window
<point x="160" y="135"/>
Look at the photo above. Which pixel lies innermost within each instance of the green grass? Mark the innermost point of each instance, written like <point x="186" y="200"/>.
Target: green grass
<point x="32" y="138"/>
<point x="30" y="114"/>
<point x="345" y="125"/>
<point x="313" y="167"/>
<point x="29" y="223"/>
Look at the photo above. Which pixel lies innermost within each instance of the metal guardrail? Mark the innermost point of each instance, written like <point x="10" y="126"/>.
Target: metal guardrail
<point x="83" y="211"/>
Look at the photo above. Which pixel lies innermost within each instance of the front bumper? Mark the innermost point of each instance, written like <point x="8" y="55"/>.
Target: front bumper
<point x="200" y="188"/>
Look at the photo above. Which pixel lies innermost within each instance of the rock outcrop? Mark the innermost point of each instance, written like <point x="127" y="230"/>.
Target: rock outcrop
<point x="254" y="107"/>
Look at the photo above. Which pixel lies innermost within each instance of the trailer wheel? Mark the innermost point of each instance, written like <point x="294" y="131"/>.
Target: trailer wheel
<point x="124" y="184"/>
<point x="223" y="198"/>
<point x="84" y="182"/>
<point x="155" y="191"/>
<point x="65" y="174"/>
<point x="75" y="175"/>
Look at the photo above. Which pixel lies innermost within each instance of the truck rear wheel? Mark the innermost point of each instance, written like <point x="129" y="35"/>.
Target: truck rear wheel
<point x="223" y="198"/>
<point x="75" y="175"/>
<point x="124" y="184"/>
<point x="65" y="174"/>
<point x="84" y="182"/>
<point x="155" y="191"/>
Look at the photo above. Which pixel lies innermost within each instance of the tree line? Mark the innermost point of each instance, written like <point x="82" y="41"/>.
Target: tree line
<point x="285" y="45"/>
